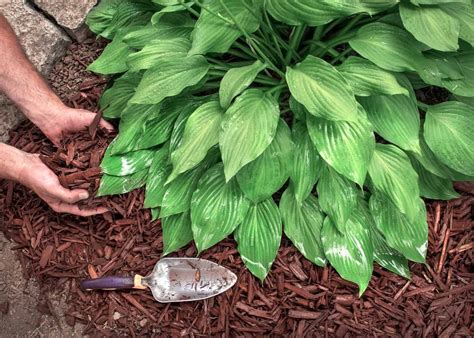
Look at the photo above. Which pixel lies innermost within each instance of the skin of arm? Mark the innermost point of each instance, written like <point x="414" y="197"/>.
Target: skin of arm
<point x="21" y="82"/>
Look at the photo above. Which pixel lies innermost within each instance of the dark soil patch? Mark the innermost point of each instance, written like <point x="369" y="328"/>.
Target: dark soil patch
<point x="298" y="298"/>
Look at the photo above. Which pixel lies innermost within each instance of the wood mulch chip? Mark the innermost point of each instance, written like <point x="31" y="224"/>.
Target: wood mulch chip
<point x="297" y="298"/>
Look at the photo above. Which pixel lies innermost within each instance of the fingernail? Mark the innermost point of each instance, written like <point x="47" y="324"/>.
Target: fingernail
<point x="83" y="195"/>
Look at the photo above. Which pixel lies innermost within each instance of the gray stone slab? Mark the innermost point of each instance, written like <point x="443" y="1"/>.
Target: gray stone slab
<point x="43" y="42"/>
<point x="70" y="15"/>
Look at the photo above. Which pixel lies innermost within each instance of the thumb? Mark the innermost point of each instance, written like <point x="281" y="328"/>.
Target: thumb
<point x="71" y="196"/>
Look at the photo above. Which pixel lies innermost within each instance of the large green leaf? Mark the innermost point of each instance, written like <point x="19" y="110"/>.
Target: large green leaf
<point x="247" y="130"/>
<point x="177" y="198"/>
<point x="215" y="30"/>
<point x="131" y="125"/>
<point x="263" y="177"/>
<point x="432" y="186"/>
<point x="389" y="47"/>
<point x="259" y="236"/>
<point x="157" y="130"/>
<point x="126" y="164"/>
<point x="464" y="12"/>
<point x="322" y="90"/>
<point x="351" y="252"/>
<point x="431" y="25"/>
<point x="449" y="131"/>
<point x="314" y="13"/>
<point x="200" y="134"/>
<point x="176" y="232"/>
<point x="345" y="146"/>
<point x="113" y="59"/>
<point x="217" y="208"/>
<point x="173" y="25"/>
<point x="101" y="15"/>
<point x="386" y="256"/>
<point x="368" y="79"/>
<point x="431" y="163"/>
<point x="117" y="185"/>
<point x="408" y="237"/>
<point x="157" y="50"/>
<point x="115" y="99"/>
<point x="302" y="225"/>
<point x="237" y="80"/>
<point x="307" y="165"/>
<point x="392" y="174"/>
<point x="337" y="197"/>
<point x="141" y="36"/>
<point x="395" y="118"/>
<point x="158" y="173"/>
<point x="169" y="77"/>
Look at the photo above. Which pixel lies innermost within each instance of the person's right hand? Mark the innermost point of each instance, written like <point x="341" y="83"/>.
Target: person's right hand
<point x="34" y="174"/>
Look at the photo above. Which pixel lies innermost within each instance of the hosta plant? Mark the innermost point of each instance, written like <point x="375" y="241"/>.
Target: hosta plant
<point x="299" y="117"/>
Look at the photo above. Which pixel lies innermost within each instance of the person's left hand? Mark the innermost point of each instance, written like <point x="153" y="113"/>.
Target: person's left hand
<point x="64" y="120"/>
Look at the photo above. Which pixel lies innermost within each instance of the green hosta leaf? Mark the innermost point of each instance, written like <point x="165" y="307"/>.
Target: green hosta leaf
<point x="157" y="50"/>
<point x="322" y="90"/>
<point x="345" y="146"/>
<point x="388" y="257"/>
<point x="141" y="36"/>
<point x="449" y="131"/>
<point x="247" y="130"/>
<point x="155" y="214"/>
<point x="408" y="237"/>
<point x="158" y="173"/>
<point x="217" y="208"/>
<point x="437" y="2"/>
<point x="298" y="109"/>
<point x="177" y="198"/>
<point x="237" y="80"/>
<point x="215" y="31"/>
<point x="177" y="232"/>
<point x="127" y="164"/>
<point x="261" y="178"/>
<point x="395" y="118"/>
<point x="431" y="25"/>
<point x="307" y="165"/>
<point x="131" y="128"/>
<point x="464" y="12"/>
<point x="337" y="197"/>
<point x="432" y="186"/>
<point x="467" y="100"/>
<point x="173" y="25"/>
<point x="312" y="13"/>
<point x="393" y="175"/>
<point x="117" y="185"/>
<point x="302" y="225"/>
<point x="350" y="253"/>
<point x="113" y="59"/>
<point x="115" y="99"/>
<point x="200" y="134"/>
<point x="170" y="77"/>
<point x="101" y="15"/>
<point x="431" y="163"/>
<point x="377" y="6"/>
<point x="157" y="130"/>
<point x="259" y="236"/>
<point x="389" y="47"/>
<point x="367" y="79"/>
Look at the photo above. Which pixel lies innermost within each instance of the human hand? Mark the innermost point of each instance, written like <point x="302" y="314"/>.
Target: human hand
<point x="62" y="120"/>
<point x="33" y="173"/>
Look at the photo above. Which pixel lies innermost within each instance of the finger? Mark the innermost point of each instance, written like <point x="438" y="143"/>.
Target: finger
<point x="106" y="125"/>
<point x="74" y="210"/>
<point x="69" y="196"/>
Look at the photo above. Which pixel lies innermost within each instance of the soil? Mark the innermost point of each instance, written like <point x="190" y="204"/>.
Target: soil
<point x="297" y="298"/>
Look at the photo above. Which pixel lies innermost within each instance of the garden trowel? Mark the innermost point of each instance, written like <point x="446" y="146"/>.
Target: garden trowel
<point x="173" y="280"/>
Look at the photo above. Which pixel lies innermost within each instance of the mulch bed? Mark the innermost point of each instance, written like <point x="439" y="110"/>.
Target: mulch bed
<point x="297" y="298"/>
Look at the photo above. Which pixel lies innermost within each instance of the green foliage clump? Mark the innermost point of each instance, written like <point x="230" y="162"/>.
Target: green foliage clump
<point x="224" y="103"/>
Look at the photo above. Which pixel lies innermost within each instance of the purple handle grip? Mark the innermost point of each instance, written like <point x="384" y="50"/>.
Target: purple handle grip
<point x="109" y="282"/>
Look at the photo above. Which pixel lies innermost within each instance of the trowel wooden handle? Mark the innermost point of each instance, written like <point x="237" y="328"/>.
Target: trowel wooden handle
<point x="112" y="283"/>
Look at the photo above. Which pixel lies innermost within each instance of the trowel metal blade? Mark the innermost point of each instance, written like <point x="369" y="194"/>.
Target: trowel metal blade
<point x="188" y="279"/>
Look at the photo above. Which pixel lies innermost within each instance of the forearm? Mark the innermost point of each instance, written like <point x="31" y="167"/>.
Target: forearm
<point x="12" y="162"/>
<point x="20" y="81"/>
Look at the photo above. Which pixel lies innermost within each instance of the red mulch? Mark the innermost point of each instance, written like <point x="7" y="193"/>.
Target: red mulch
<point x="297" y="298"/>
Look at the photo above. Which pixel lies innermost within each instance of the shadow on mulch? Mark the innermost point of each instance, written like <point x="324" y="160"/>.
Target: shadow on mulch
<point x="297" y="298"/>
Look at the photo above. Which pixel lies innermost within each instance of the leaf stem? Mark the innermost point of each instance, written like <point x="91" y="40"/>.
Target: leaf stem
<point x="423" y="106"/>
<point x="342" y="55"/>
<point x="295" y="40"/>
<point x="189" y="8"/>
